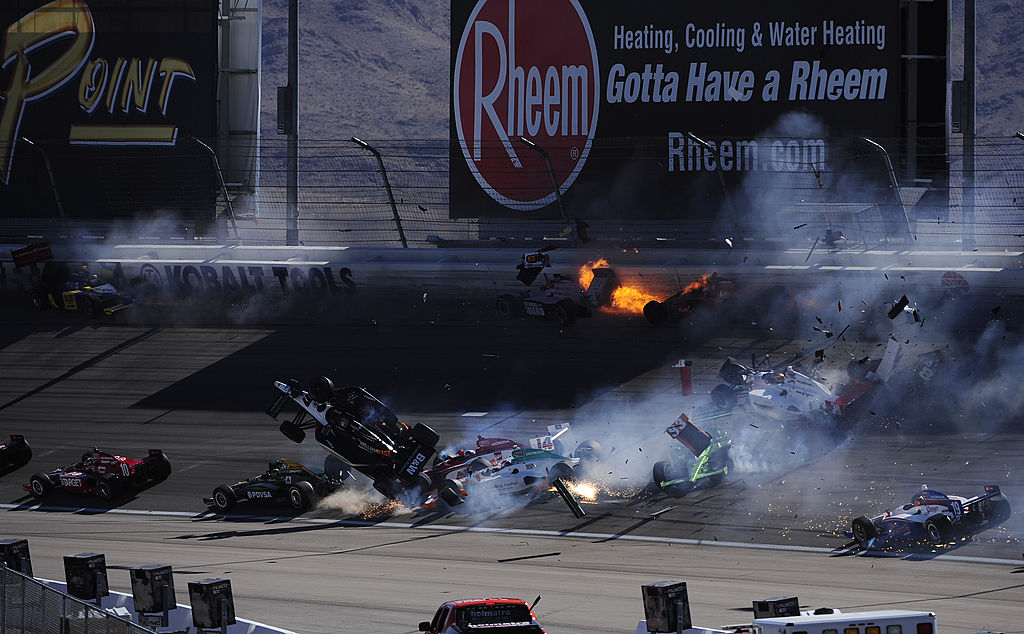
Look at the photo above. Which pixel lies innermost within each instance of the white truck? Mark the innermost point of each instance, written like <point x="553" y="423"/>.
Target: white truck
<point x="833" y="622"/>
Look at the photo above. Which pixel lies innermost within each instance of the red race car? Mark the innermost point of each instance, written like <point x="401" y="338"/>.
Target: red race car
<point x="485" y="615"/>
<point x="103" y="474"/>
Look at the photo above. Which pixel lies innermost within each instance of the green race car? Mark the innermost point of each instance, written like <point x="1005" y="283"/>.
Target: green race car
<point x="699" y="460"/>
<point x="283" y="483"/>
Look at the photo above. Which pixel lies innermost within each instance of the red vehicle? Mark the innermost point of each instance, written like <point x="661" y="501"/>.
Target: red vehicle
<point x="103" y="474"/>
<point x="494" y="616"/>
<point x="14" y="454"/>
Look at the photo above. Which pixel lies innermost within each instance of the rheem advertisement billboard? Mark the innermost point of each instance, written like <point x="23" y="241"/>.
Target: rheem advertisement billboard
<point x="99" y="101"/>
<point x="647" y="107"/>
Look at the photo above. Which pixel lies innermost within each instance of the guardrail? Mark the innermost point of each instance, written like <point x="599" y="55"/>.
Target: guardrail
<point x="29" y="606"/>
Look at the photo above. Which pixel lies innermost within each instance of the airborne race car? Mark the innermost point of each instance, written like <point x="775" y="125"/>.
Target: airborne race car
<point x="284" y="482"/>
<point x="933" y="516"/>
<point x="360" y="430"/>
<point x="702" y="460"/>
<point x="14" y="454"/>
<point x="103" y="474"/>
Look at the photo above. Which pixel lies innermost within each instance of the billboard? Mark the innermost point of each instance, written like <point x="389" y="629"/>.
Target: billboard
<point x="646" y="107"/>
<point x="98" y="101"/>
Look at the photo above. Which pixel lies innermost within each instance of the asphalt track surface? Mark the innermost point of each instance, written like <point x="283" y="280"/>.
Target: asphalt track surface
<point x="198" y="390"/>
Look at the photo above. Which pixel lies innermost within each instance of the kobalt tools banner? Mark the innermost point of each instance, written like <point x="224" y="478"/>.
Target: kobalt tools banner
<point x="98" y="99"/>
<point x="606" y="92"/>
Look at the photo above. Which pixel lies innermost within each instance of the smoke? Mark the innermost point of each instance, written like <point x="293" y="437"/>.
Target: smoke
<point x="353" y="499"/>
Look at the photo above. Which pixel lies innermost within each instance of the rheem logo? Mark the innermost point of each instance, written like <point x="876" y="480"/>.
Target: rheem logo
<point x="525" y="69"/>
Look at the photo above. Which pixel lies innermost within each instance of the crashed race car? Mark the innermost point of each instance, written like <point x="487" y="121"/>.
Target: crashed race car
<point x="789" y="395"/>
<point x="362" y="432"/>
<point x="284" y="482"/>
<point x="15" y="453"/>
<point x="77" y="291"/>
<point x="103" y="474"/>
<point x="560" y="298"/>
<point x="698" y="460"/>
<point x="683" y="303"/>
<point x="933" y="517"/>
<point x="507" y="616"/>
<point x="527" y="474"/>
<point x="492" y="452"/>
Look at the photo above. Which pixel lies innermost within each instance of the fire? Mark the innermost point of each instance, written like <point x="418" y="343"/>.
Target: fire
<point x="587" y="271"/>
<point x="628" y="299"/>
<point x="696" y="285"/>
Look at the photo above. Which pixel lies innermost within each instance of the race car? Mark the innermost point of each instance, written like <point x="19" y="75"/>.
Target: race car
<point x="62" y="288"/>
<point x="934" y="517"/>
<point x="103" y="474"/>
<point x="15" y="453"/>
<point x="512" y="616"/>
<point x="683" y="303"/>
<point x="284" y="482"/>
<point x="491" y="452"/>
<point x="698" y="460"/>
<point x="527" y="473"/>
<point x="362" y="432"/>
<point x="561" y="298"/>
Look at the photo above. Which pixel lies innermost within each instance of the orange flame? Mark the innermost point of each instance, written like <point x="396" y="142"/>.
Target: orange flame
<point x="587" y="272"/>
<point x="628" y="299"/>
<point x="697" y="284"/>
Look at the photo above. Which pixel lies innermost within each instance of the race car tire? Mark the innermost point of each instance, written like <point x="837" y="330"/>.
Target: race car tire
<point x="508" y="306"/>
<point x="322" y="389"/>
<point x="109" y="486"/>
<point x="561" y="471"/>
<point x="656" y="312"/>
<point x="292" y="431"/>
<point x="21" y="455"/>
<point x="661" y="472"/>
<point x="89" y="307"/>
<point x="336" y="467"/>
<point x="163" y="468"/>
<point x="732" y="373"/>
<point x="478" y="464"/>
<point x="40" y="485"/>
<point x="423" y="483"/>
<point x="564" y="312"/>
<point x="939" y="529"/>
<point x="999" y="511"/>
<point x="223" y="498"/>
<point x="724" y="397"/>
<point x="449" y="493"/>
<point x="589" y="452"/>
<point x="302" y="497"/>
<point x="863" y="530"/>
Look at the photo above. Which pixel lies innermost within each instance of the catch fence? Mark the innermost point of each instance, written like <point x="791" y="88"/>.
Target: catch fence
<point x="29" y="606"/>
<point x="343" y="200"/>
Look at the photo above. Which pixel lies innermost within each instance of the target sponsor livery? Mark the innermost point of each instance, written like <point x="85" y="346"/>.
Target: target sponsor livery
<point x="526" y="68"/>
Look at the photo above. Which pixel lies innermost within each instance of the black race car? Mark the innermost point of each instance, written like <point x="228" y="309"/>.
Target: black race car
<point x="360" y="430"/>
<point x="15" y="453"/>
<point x="284" y="482"/>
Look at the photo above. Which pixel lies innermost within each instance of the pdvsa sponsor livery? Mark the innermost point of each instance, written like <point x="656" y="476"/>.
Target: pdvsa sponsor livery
<point x="525" y="69"/>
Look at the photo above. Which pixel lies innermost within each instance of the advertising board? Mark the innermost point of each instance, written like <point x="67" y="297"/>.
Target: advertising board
<point x="644" y="108"/>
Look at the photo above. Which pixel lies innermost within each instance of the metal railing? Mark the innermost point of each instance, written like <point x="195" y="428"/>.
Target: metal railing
<point x="29" y="606"/>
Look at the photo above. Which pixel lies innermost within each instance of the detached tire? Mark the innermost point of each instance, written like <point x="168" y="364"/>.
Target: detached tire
<point x="223" y="498"/>
<point x="40" y="485"/>
<point x="939" y="529"/>
<point x="302" y="497"/>
<point x="863" y="530"/>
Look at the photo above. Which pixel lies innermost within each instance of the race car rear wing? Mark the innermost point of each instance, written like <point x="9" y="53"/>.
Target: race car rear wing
<point x="692" y="437"/>
<point x="991" y="491"/>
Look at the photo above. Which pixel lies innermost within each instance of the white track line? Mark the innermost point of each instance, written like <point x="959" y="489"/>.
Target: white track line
<point x="509" y="531"/>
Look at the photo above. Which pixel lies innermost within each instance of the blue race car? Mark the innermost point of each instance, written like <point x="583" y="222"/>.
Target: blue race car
<point x="933" y="517"/>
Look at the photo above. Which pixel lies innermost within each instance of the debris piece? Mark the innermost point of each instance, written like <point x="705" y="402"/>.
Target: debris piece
<point x="839" y="303"/>
<point x="798" y="226"/>
<point x="843" y="331"/>
<point x="753" y="425"/>
<point x="898" y="307"/>
<point x="995" y="311"/>
<point x="659" y="512"/>
<point x="554" y="554"/>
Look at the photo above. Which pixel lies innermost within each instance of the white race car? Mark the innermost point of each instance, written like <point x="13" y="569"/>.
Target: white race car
<point x="933" y="516"/>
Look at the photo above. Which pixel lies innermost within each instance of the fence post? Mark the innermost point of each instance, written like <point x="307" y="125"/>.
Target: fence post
<point x="387" y="186"/>
<point x="223" y="186"/>
<point x="554" y="183"/>
<point x="893" y="183"/>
